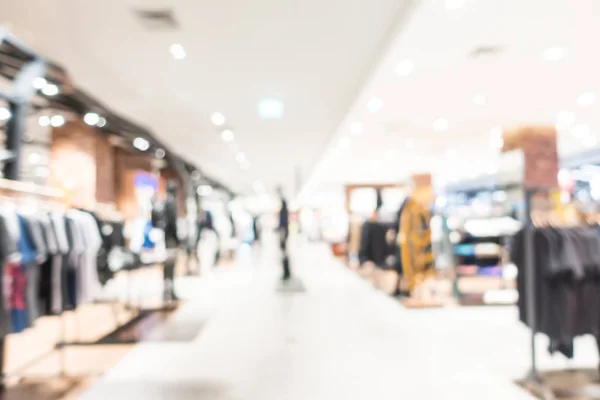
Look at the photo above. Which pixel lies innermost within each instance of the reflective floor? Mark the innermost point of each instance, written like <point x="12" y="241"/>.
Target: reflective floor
<point x="341" y="339"/>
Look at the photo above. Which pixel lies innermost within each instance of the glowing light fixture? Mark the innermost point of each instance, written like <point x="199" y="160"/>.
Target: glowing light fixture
<point x="91" y="118"/>
<point x="50" y="90"/>
<point x="177" y="51"/>
<point x="44" y="120"/>
<point x="217" y="118"/>
<point x="4" y="114"/>
<point x="227" y="135"/>
<point x="375" y="105"/>
<point x="141" y="144"/>
<point x="34" y="158"/>
<point x="39" y="83"/>
<point x="57" y="120"/>
<point x="204" y="190"/>
<point x="271" y="109"/>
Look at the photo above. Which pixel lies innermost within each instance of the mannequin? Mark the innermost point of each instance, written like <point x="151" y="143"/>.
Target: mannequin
<point x="164" y="217"/>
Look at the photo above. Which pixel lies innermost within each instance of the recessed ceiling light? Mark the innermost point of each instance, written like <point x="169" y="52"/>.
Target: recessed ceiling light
<point x="356" y="128"/>
<point x="586" y="99"/>
<point x="479" y="100"/>
<point x="555" y="53"/>
<point x="405" y="67"/>
<point x="34" y="158"/>
<point x="440" y="125"/>
<point x="141" y="144"/>
<point x="204" y="190"/>
<point x="270" y="109"/>
<point x="50" y="90"/>
<point x="39" y="83"/>
<point x="455" y="4"/>
<point x="565" y="119"/>
<point x="344" y="143"/>
<point x="581" y="130"/>
<point x="101" y="122"/>
<point x="44" y="120"/>
<point x="177" y="51"/>
<point x="227" y="135"/>
<point x="57" y="120"/>
<point x="375" y="105"/>
<point x="160" y="153"/>
<point x="91" y="118"/>
<point x="4" y="114"/>
<point x="240" y="157"/>
<point x="217" y="118"/>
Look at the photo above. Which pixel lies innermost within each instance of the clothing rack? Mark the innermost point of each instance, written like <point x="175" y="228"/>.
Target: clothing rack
<point x="533" y="380"/>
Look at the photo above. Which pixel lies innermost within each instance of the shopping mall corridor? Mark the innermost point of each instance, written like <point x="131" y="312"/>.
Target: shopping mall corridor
<point x="341" y="339"/>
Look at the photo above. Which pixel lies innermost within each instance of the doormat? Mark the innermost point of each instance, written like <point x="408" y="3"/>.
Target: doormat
<point x="579" y="384"/>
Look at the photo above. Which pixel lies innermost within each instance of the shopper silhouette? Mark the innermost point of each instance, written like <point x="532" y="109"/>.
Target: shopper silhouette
<point x="284" y="232"/>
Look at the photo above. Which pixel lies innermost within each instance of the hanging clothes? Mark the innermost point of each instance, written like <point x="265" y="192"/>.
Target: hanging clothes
<point x="567" y="283"/>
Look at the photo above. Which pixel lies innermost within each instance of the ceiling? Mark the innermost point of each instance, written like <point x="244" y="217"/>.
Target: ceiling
<point x="315" y="56"/>
<point x="483" y="51"/>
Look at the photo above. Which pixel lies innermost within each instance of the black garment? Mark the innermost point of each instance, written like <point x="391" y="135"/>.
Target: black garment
<point x="284" y="216"/>
<point x="376" y="246"/>
<point x="567" y="283"/>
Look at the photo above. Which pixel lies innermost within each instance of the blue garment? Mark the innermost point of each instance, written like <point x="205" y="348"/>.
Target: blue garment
<point x="25" y="243"/>
<point x="147" y="243"/>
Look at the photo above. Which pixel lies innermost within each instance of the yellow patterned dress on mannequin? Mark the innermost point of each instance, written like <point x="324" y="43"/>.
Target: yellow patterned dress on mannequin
<point x="414" y="239"/>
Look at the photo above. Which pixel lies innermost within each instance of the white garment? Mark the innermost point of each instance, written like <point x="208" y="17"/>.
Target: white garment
<point x="207" y="251"/>
<point x="89" y="237"/>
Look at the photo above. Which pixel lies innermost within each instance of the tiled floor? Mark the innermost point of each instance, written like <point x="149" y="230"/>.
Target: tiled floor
<point x="341" y="339"/>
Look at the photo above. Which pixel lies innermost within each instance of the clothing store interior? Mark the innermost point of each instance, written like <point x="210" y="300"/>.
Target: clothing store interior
<point x="322" y="199"/>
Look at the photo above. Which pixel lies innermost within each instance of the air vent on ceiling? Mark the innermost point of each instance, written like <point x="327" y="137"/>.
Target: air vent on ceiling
<point x="485" y="51"/>
<point x="157" y="19"/>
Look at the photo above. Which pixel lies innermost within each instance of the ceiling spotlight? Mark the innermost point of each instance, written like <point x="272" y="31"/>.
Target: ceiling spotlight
<point x="555" y="53"/>
<point x="217" y="118"/>
<point x="57" y="120"/>
<point x="44" y="120"/>
<point x="270" y="109"/>
<point x="91" y="118"/>
<point x="34" y="158"/>
<point x="586" y="99"/>
<point x="375" y="105"/>
<point x="479" y="100"/>
<point x="39" y="83"/>
<point x="455" y="4"/>
<point x="405" y="67"/>
<point x="160" y="153"/>
<point x="204" y="190"/>
<point x="356" y="128"/>
<point x="177" y="51"/>
<point x="344" y="143"/>
<point x="581" y="130"/>
<point x="240" y="157"/>
<point x="4" y="114"/>
<point x="565" y="119"/>
<point x="440" y="125"/>
<point x="50" y="90"/>
<point x="141" y="144"/>
<point x="227" y="135"/>
<point x="101" y="122"/>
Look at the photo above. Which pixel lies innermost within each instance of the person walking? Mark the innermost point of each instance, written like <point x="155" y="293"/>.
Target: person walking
<point x="284" y="232"/>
